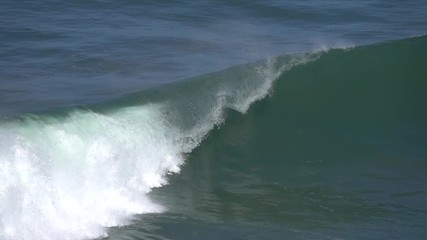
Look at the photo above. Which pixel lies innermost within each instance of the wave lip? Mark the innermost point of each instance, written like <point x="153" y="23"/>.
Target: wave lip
<point x="340" y="136"/>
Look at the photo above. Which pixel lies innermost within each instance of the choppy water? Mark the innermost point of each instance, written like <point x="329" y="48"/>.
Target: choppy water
<point x="213" y="120"/>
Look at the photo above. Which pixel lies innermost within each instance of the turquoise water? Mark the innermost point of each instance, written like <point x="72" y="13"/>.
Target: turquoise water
<point x="213" y="120"/>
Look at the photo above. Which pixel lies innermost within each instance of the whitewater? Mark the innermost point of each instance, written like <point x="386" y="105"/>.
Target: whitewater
<point x="213" y="120"/>
<point x="71" y="173"/>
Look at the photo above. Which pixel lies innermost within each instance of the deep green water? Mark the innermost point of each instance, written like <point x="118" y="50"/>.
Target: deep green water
<point x="338" y="151"/>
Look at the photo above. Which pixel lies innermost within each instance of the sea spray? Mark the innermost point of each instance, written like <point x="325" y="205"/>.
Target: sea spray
<point x="72" y="177"/>
<point x="69" y="175"/>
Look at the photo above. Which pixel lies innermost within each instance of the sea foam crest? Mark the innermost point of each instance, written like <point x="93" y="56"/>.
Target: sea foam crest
<point x="70" y="177"/>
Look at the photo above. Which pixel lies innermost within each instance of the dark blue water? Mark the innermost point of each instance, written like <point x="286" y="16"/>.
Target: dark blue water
<point x="57" y="53"/>
<point x="213" y="120"/>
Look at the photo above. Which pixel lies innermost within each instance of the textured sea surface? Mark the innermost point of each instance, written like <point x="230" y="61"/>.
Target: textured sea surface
<point x="213" y="120"/>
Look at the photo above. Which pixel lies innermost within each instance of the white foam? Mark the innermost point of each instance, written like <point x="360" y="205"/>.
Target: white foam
<point x="71" y="177"/>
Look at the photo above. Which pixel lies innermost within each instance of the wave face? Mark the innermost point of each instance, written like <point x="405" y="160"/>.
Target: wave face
<point x="337" y="151"/>
<point x="340" y="141"/>
<point x="68" y="174"/>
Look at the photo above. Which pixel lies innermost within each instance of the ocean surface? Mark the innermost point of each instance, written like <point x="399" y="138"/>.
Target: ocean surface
<point x="241" y="119"/>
